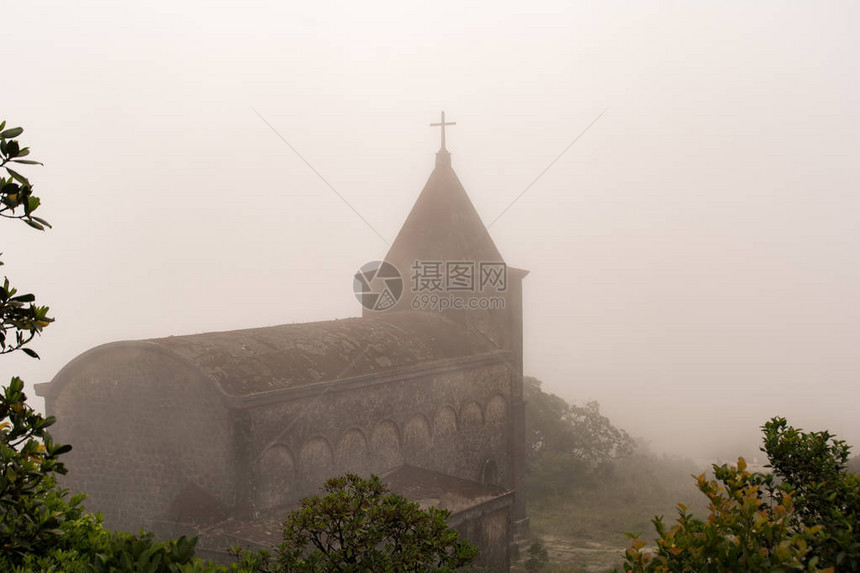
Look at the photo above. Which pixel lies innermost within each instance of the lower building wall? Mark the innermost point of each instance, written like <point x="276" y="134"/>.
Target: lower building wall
<point x="452" y="422"/>
<point x="150" y="439"/>
<point x="490" y="533"/>
<point x="155" y="443"/>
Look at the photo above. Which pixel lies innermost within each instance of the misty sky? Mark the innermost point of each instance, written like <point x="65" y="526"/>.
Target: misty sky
<point x="694" y="256"/>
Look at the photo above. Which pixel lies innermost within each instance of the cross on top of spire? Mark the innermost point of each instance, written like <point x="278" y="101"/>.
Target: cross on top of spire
<point x="442" y="124"/>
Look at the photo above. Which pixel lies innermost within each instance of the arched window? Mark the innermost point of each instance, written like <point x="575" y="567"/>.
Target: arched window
<point x="490" y="473"/>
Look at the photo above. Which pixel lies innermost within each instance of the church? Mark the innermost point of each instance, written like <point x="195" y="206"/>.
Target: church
<point x="220" y="434"/>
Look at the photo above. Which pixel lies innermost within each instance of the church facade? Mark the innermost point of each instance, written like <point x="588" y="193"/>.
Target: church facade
<point x="219" y="434"/>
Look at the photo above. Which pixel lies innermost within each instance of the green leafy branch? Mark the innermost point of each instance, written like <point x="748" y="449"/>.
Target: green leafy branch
<point x="29" y="459"/>
<point x="16" y="191"/>
<point x="21" y="319"/>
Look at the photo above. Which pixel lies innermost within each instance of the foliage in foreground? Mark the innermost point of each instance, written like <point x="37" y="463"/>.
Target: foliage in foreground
<point x="28" y="457"/>
<point x="801" y="517"/>
<point x="21" y="319"/>
<point x="360" y="526"/>
<point x="28" y="460"/>
<point x="814" y="466"/>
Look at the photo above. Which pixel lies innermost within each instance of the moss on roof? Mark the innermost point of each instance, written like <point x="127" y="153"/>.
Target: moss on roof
<point x="265" y="359"/>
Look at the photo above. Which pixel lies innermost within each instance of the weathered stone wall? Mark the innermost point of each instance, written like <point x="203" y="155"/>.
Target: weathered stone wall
<point x="454" y="422"/>
<point x="146" y="429"/>
<point x="490" y="532"/>
<point x="152" y="435"/>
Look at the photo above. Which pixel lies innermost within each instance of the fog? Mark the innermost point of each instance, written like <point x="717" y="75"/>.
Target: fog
<point x="693" y="256"/>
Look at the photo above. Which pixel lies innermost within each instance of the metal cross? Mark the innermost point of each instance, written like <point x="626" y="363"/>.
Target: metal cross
<point x="442" y="124"/>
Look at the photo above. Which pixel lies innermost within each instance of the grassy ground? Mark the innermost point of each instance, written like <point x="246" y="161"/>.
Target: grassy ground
<point x="581" y="516"/>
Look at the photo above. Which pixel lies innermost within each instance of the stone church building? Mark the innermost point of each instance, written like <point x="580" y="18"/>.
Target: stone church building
<point x="220" y="434"/>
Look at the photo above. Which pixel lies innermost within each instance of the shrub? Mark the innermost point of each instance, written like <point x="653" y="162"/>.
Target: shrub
<point x="801" y="517"/>
<point x="359" y="526"/>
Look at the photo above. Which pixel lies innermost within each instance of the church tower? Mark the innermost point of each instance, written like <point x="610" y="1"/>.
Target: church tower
<point x="450" y="265"/>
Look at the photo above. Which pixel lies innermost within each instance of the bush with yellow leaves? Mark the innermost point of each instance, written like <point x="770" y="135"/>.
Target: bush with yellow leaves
<point x="802" y="517"/>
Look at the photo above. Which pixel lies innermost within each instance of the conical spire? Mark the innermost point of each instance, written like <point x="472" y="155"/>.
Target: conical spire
<point x="443" y="224"/>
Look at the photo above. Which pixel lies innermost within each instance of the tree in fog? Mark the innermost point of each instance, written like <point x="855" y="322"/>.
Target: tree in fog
<point x="567" y="444"/>
<point x="358" y="525"/>
<point x="553" y="425"/>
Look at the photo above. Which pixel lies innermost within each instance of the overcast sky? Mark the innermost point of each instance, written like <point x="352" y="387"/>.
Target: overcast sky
<point x="694" y="256"/>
